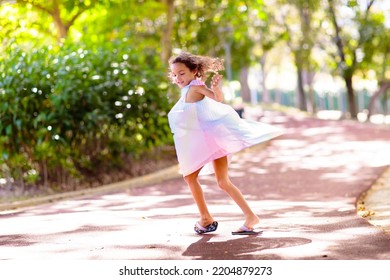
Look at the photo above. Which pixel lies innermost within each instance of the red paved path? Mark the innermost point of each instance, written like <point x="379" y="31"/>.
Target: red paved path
<point x="304" y="185"/>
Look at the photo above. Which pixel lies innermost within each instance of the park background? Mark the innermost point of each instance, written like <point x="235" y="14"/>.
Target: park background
<point x="84" y="93"/>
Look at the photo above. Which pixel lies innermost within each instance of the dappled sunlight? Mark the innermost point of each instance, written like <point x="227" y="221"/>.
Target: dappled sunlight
<point x="316" y="131"/>
<point x="314" y="206"/>
<point x="257" y="170"/>
<point x="329" y="114"/>
<point x="344" y="155"/>
<point x="341" y="154"/>
<point x="303" y="185"/>
<point x="233" y="173"/>
<point x="106" y="232"/>
<point x="288" y="233"/>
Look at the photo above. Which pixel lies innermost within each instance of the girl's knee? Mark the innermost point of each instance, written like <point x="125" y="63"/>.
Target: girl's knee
<point x="224" y="184"/>
<point x="189" y="179"/>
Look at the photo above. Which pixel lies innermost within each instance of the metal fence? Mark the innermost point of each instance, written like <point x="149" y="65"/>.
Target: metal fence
<point x="331" y="101"/>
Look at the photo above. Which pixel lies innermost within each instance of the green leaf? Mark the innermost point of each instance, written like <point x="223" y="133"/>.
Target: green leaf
<point x="8" y="130"/>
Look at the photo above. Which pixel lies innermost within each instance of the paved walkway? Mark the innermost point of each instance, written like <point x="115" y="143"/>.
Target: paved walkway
<point x="304" y="185"/>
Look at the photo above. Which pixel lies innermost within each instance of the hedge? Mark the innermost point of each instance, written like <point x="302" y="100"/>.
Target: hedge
<point x="68" y="112"/>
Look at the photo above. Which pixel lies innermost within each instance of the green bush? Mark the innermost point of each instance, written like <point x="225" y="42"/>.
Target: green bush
<point x="77" y="110"/>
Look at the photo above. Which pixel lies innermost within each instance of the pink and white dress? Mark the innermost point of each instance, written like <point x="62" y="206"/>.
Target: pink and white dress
<point x="207" y="130"/>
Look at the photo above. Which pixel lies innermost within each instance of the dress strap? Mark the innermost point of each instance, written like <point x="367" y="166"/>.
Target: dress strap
<point x="196" y="83"/>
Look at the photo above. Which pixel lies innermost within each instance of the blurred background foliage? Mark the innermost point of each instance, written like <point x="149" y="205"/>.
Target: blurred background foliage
<point x="83" y="85"/>
<point x="73" y="111"/>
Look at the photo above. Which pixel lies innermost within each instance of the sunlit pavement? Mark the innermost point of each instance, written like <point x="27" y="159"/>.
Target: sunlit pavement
<point x="304" y="185"/>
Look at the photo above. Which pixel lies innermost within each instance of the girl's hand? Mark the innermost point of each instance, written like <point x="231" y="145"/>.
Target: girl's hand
<point x="215" y="81"/>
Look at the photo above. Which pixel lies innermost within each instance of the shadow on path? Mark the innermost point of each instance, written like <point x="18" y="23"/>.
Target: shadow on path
<point x="245" y="248"/>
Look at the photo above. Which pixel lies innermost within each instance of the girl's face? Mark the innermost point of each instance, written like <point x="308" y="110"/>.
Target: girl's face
<point x="182" y="75"/>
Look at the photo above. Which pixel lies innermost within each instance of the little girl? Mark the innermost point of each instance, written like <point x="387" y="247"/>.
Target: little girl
<point x="207" y="131"/>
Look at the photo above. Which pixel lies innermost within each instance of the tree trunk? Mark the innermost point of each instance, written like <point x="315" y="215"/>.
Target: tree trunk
<point x="350" y="96"/>
<point x="62" y="30"/>
<point x="301" y="91"/>
<point x="347" y="73"/>
<point x="382" y="90"/>
<point x="245" y="91"/>
<point x="266" y="98"/>
<point x="309" y="81"/>
<point x="166" y="39"/>
<point x="21" y="179"/>
<point x="45" y="175"/>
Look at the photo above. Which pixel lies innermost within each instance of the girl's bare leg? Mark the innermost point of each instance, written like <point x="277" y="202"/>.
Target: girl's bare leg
<point x="197" y="193"/>
<point x="221" y="174"/>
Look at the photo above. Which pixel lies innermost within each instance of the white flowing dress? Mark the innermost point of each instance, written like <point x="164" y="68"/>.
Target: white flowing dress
<point x="207" y="130"/>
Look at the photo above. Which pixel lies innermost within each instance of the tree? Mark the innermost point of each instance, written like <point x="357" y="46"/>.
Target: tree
<point x="349" y="44"/>
<point x="237" y="35"/>
<point x="297" y="18"/>
<point x="267" y="33"/>
<point x="384" y="81"/>
<point x="376" y="55"/>
<point x="63" y="13"/>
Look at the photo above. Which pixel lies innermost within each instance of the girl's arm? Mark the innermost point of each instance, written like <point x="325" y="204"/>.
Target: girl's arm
<point x="215" y="92"/>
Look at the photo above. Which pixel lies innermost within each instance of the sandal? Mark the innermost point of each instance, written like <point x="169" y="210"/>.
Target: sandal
<point x="211" y="227"/>
<point x="244" y="230"/>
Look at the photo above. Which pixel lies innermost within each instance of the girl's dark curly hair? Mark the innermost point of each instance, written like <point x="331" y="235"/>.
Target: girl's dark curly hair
<point x="203" y="65"/>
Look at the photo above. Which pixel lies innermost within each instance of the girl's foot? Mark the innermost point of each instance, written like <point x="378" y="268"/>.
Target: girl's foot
<point x="247" y="231"/>
<point x="252" y="221"/>
<point x="248" y="227"/>
<point x="204" y="222"/>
